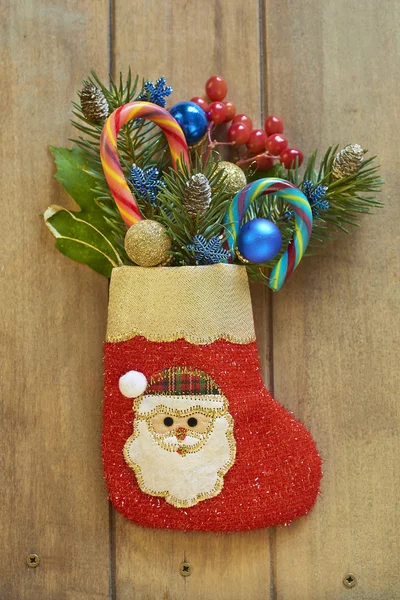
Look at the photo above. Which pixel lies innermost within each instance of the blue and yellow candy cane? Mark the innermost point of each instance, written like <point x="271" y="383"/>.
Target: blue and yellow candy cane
<point x="303" y="223"/>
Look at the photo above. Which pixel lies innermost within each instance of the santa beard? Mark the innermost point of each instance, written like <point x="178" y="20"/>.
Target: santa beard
<point x="182" y="479"/>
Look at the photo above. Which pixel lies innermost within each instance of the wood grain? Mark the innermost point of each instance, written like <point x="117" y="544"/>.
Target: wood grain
<point x="330" y="70"/>
<point x="333" y="76"/>
<point x="187" y="42"/>
<point x="53" y="318"/>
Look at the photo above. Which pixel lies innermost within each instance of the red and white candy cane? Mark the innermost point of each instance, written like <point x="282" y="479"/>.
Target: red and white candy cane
<point x="120" y="190"/>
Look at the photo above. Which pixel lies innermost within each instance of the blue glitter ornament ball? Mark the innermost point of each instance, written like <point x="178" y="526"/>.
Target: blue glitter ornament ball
<point x="259" y="240"/>
<point x="192" y="119"/>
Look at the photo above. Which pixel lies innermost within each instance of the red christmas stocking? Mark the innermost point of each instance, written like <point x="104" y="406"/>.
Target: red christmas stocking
<point x="191" y="437"/>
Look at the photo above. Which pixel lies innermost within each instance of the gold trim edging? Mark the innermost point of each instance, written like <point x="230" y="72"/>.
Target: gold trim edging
<point x="179" y="335"/>
<point x="198" y="304"/>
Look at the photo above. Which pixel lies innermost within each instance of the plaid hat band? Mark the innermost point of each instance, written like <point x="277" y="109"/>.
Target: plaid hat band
<point x="147" y="405"/>
<point x="180" y="381"/>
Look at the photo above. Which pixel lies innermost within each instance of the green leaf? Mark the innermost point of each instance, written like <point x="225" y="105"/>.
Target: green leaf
<point x="81" y="241"/>
<point x="73" y="172"/>
<point x="85" y="235"/>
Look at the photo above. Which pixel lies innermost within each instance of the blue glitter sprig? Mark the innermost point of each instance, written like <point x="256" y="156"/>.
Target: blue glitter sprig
<point x="146" y="183"/>
<point x="316" y="197"/>
<point x="208" y="252"/>
<point x="156" y="92"/>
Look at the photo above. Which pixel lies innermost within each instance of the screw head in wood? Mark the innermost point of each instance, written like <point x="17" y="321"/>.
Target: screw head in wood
<point x="185" y="569"/>
<point x="32" y="560"/>
<point x="349" y="580"/>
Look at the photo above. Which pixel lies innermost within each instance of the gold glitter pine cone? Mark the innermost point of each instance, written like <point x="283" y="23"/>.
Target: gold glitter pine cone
<point x="93" y="102"/>
<point x="197" y="196"/>
<point x="147" y="243"/>
<point x="348" y="161"/>
<point x="235" y="178"/>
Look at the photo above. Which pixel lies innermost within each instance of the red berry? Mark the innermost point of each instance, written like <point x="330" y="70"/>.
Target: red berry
<point x="216" y="88"/>
<point x="264" y="161"/>
<point x="230" y="110"/>
<point x="256" y="141"/>
<point x="273" y="125"/>
<point x="288" y="157"/>
<point x="216" y="112"/>
<point x="200" y="102"/>
<point x="238" y="134"/>
<point x="244" y="119"/>
<point x="276" y="143"/>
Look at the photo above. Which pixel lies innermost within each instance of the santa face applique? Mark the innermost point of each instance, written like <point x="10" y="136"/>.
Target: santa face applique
<point x="182" y="443"/>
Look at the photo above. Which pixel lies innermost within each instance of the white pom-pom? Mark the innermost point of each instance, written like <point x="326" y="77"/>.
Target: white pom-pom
<point x="132" y="384"/>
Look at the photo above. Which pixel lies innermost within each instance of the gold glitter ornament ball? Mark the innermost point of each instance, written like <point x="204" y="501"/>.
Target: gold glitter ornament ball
<point x="147" y="242"/>
<point x="235" y="178"/>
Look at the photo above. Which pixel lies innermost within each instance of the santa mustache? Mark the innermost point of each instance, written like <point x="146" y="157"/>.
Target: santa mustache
<point x="180" y="437"/>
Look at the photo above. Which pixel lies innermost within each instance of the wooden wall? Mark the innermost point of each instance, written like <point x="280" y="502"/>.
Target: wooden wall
<point x="327" y="341"/>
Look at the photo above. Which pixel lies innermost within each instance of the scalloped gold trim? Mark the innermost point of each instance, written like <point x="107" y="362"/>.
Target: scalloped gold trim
<point x="198" y="304"/>
<point x="192" y="339"/>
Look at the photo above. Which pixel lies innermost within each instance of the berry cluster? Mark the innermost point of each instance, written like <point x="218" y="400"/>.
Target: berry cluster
<point x="263" y="146"/>
<point x="217" y="111"/>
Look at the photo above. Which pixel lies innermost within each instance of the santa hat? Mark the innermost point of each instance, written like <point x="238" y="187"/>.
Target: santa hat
<point x="176" y="388"/>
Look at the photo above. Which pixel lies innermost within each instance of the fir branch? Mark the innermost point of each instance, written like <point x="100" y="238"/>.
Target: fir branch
<point x="171" y="212"/>
<point x="348" y="199"/>
<point x="140" y="142"/>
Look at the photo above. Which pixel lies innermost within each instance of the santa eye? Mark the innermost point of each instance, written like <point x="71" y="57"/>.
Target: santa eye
<point x="192" y="422"/>
<point x="168" y="421"/>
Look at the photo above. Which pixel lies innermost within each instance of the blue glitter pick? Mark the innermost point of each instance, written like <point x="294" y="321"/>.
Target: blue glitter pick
<point x="156" y="92"/>
<point x="316" y="197"/>
<point x="146" y="183"/>
<point x="208" y="252"/>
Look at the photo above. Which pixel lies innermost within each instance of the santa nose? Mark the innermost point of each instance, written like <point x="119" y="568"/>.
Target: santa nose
<point x="181" y="433"/>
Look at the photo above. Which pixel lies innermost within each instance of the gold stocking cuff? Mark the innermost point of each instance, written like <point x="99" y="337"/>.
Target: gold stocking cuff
<point x="199" y="304"/>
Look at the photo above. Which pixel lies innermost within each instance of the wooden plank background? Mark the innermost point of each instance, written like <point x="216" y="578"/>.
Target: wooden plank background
<point x="327" y="341"/>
